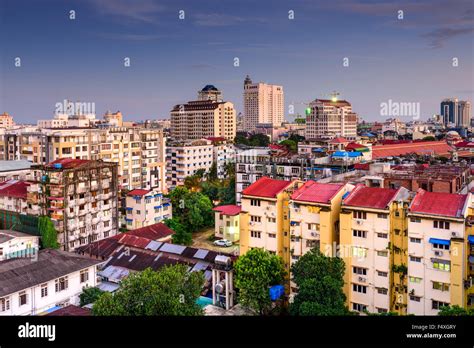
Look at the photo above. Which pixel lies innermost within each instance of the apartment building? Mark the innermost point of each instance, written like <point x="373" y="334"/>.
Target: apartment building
<point x="314" y="217"/>
<point x="329" y="118"/>
<point x="139" y="152"/>
<point x="227" y="222"/>
<point x="202" y="119"/>
<point x="17" y="244"/>
<point x="13" y="196"/>
<point x="54" y="280"/>
<point x="6" y="121"/>
<point x="265" y="217"/>
<point x="224" y="154"/>
<point x="263" y="103"/>
<point x="439" y="252"/>
<point x="373" y="245"/>
<point x="146" y="207"/>
<point x="186" y="158"/>
<point x="80" y="196"/>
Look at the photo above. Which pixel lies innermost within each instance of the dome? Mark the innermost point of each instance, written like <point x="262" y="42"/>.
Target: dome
<point x="209" y="88"/>
<point x="453" y="133"/>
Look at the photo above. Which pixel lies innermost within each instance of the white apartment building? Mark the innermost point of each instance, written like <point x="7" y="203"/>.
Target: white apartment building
<point x="17" y="244"/>
<point x="54" y="280"/>
<point x="224" y="153"/>
<point x="437" y="250"/>
<point x="202" y="119"/>
<point x="263" y="103"/>
<point x="146" y="207"/>
<point x="6" y="121"/>
<point x="13" y="196"/>
<point x="16" y="170"/>
<point x="185" y="159"/>
<point x="331" y="119"/>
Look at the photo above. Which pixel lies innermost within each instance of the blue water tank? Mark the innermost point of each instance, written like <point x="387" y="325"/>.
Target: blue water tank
<point x="58" y="165"/>
<point x="276" y="291"/>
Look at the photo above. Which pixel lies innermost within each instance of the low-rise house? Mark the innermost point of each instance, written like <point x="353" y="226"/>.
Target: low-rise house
<point x="17" y="244"/>
<point x="55" y="279"/>
<point x="146" y="207"/>
<point x="227" y="222"/>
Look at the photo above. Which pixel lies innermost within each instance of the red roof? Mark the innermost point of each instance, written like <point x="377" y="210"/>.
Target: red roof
<point x="362" y="166"/>
<point x="354" y="146"/>
<point x="464" y="143"/>
<point x="230" y="210"/>
<point x="14" y="188"/>
<point x="154" y="232"/>
<point x="132" y="240"/>
<point x="67" y="163"/>
<point x="266" y="187"/>
<point x="339" y="140"/>
<point x="420" y="148"/>
<point x="138" y="192"/>
<point x="70" y="310"/>
<point x="370" y="197"/>
<point x="313" y="191"/>
<point x="438" y="203"/>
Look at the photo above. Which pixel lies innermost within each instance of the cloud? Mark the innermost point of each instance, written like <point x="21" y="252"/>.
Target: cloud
<point x="141" y="11"/>
<point x="221" y="20"/>
<point x="438" y="37"/>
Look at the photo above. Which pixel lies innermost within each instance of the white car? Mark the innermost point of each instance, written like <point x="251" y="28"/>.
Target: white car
<point x="223" y="243"/>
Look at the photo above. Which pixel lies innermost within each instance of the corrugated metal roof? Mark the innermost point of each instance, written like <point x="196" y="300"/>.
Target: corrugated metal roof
<point x="172" y="248"/>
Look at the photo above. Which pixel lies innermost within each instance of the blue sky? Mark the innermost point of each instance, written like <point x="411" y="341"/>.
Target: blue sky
<point x="407" y="60"/>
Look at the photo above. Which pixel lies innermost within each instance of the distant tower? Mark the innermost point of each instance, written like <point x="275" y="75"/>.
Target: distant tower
<point x="248" y="80"/>
<point x="210" y="92"/>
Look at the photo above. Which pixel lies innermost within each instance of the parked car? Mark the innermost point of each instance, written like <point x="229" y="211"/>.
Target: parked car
<point x="223" y="243"/>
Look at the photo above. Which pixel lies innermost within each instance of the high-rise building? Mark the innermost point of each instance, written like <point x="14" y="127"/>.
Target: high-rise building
<point x="203" y="119"/>
<point x="6" y="121"/>
<point x="263" y="103"/>
<point x="210" y="92"/>
<point x="456" y="113"/>
<point x="330" y="119"/>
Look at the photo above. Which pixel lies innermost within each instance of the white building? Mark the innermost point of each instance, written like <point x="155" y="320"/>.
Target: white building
<point x="146" y="207"/>
<point x="329" y="118"/>
<point x="263" y="103"/>
<point x="55" y="279"/>
<point x="17" y="244"/>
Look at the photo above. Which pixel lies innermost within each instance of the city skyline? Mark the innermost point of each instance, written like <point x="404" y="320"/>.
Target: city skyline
<point x="171" y="59"/>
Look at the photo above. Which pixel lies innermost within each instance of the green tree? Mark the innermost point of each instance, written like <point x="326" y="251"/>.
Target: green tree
<point x="181" y="235"/>
<point x="291" y="145"/>
<point x="89" y="295"/>
<point x="192" y="182"/>
<point x="320" y="282"/>
<point x="170" y="291"/>
<point x="212" y="174"/>
<point x="255" y="272"/>
<point x="192" y="209"/>
<point x="429" y="138"/>
<point x="259" y="140"/>
<point x="455" y="311"/>
<point x="49" y="236"/>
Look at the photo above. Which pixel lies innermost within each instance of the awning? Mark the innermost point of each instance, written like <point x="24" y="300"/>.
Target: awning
<point x="470" y="239"/>
<point x="128" y="208"/>
<point x="158" y="207"/>
<point x="439" y="241"/>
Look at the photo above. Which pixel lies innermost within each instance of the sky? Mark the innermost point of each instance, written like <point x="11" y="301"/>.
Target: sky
<point x="403" y="60"/>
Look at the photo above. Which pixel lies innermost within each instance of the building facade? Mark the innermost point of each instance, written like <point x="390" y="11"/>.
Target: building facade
<point x="146" y="207"/>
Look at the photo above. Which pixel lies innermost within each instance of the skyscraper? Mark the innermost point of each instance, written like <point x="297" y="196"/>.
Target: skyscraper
<point x="456" y="113"/>
<point x="263" y="103"/>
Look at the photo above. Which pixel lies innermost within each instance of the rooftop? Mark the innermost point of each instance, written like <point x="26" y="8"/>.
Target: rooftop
<point x="8" y="166"/>
<point x="266" y="187"/>
<point x="370" y="197"/>
<point x="138" y="192"/>
<point x="20" y="273"/>
<point x="70" y="310"/>
<point x="230" y="210"/>
<point x="440" y="148"/>
<point x="14" y="188"/>
<point x="154" y="232"/>
<point x="6" y="235"/>
<point x="438" y="203"/>
<point x="315" y="192"/>
<point x="67" y="163"/>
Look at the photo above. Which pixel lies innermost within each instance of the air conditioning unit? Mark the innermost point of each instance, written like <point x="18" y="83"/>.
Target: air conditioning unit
<point x="454" y="234"/>
<point x="313" y="234"/>
<point x="359" y="222"/>
<point x="251" y="223"/>
<point x="362" y="279"/>
<point x="438" y="253"/>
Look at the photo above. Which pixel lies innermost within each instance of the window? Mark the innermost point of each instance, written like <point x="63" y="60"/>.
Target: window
<point x="359" y="288"/>
<point x="359" y="252"/>
<point x="438" y="304"/>
<point x="312" y="243"/>
<point x="441" y="246"/>
<point x="382" y="235"/>
<point x="255" y="234"/>
<point x="361" y="234"/>
<point x="84" y="275"/>
<point x="382" y="291"/>
<point x="415" y="298"/>
<point x="4" y="304"/>
<point x="441" y="224"/>
<point x="442" y="265"/>
<point x="359" y="270"/>
<point x="272" y="235"/>
<point x="254" y="218"/>
<point x="415" y="240"/>
<point x="22" y="298"/>
<point x="61" y="284"/>
<point x="415" y="259"/>
<point x="360" y="215"/>
<point x="44" y="290"/>
<point x="440" y="286"/>
<point x="272" y="220"/>
<point x="382" y="274"/>
<point x="383" y="253"/>
<point x="359" y="307"/>
<point x="382" y="216"/>
<point x="415" y="219"/>
<point x="255" y="202"/>
<point x="382" y="310"/>
<point x="313" y="227"/>
<point x="415" y="279"/>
